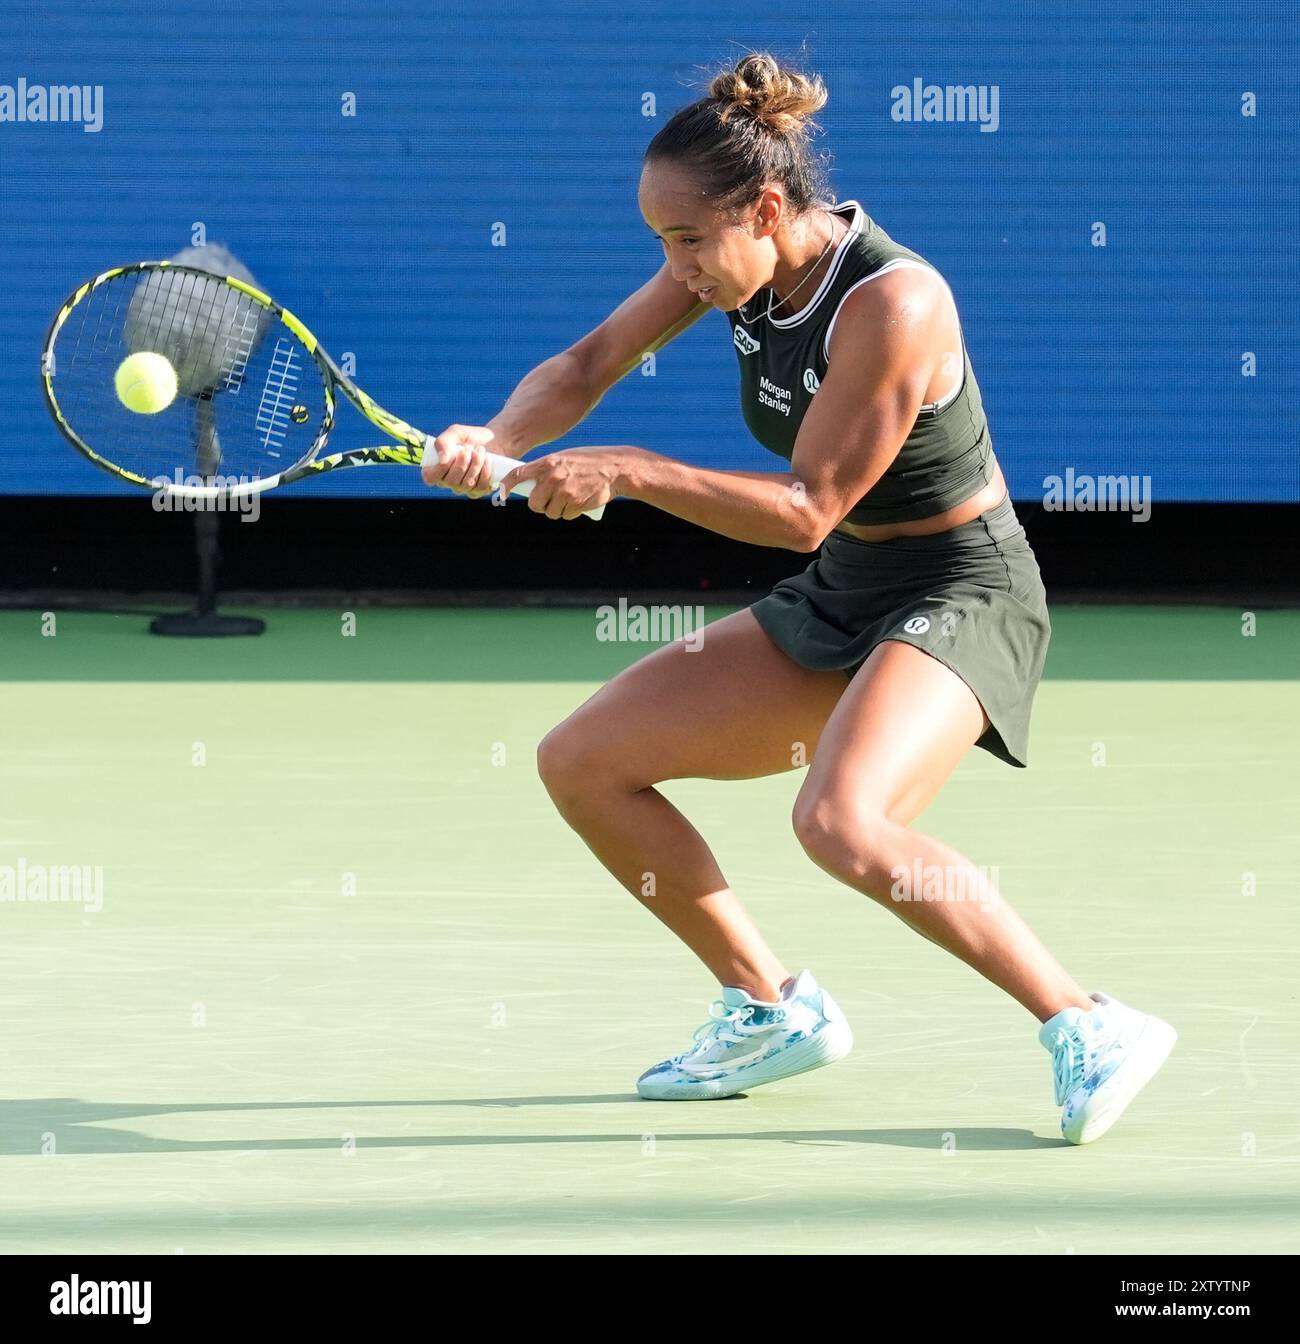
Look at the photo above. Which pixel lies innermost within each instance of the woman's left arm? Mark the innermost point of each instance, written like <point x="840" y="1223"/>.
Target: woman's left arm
<point x="880" y="366"/>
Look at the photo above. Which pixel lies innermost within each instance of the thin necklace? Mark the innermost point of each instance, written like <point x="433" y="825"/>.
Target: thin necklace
<point x="772" y="293"/>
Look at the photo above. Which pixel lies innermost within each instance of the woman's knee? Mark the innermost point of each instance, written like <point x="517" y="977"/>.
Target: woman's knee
<point x="566" y="758"/>
<point x="846" y="836"/>
<point x="584" y="755"/>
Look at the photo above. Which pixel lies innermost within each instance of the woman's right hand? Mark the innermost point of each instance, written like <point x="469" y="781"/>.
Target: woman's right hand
<point x="457" y="460"/>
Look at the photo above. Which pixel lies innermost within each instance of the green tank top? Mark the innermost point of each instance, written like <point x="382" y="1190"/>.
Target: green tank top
<point x="946" y="457"/>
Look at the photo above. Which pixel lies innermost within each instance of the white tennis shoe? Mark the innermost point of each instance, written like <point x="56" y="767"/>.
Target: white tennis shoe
<point x="1101" y="1061"/>
<point x="747" y="1043"/>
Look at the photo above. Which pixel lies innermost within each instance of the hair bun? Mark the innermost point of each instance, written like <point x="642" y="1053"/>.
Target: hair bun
<point x="779" y="99"/>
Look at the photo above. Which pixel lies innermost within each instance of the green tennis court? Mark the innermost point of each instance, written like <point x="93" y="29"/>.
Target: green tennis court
<point x="355" y="987"/>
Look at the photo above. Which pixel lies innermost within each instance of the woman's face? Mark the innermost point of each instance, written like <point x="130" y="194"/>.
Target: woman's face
<point x="724" y="260"/>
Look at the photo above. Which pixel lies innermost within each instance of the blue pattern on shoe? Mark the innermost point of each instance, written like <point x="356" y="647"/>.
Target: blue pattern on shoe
<point x="746" y="1043"/>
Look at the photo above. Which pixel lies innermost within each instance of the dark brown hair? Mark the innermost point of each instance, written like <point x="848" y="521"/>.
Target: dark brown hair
<point x="753" y="127"/>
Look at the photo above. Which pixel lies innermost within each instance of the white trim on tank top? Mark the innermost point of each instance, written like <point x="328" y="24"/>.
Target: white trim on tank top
<point x="884" y="270"/>
<point x="841" y="251"/>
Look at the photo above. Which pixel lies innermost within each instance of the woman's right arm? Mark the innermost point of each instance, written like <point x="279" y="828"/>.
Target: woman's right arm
<point x="561" y="391"/>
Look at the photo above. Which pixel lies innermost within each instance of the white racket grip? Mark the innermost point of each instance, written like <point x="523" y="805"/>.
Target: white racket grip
<point x="501" y="466"/>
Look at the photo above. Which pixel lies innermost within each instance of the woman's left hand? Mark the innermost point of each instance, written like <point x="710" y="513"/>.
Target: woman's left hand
<point x="574" y="480"/>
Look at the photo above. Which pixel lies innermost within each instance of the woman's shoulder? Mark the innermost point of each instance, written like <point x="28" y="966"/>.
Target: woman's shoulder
<point x="890" y="288"/>
<point x="903" y="301"/>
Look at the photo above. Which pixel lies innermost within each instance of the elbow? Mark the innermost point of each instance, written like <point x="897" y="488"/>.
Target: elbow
<point x="807" y="520"/>
<point x="809" y="534"/>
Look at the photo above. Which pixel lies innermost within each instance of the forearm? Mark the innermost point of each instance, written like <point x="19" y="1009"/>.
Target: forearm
<point x="761" y="507"/>
<point x="548" y="402"/>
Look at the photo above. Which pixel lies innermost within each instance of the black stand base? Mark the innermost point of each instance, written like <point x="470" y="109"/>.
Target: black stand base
<point x="206" y="625"/>
<point x="205" y="622"/>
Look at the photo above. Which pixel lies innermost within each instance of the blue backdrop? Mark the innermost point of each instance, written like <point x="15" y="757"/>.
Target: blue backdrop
<point x="378" y="228"/>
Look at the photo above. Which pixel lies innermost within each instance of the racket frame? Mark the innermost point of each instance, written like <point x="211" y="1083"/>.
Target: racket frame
<point x="408" y="450"/>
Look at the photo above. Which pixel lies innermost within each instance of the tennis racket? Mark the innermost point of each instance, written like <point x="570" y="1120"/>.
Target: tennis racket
<point x="255" y="391"/>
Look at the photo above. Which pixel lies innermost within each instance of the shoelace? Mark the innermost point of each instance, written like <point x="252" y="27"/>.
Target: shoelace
<point x="1067" y="1063"/>
<point x="1072" y="1051"/>
<point x="730" y="1024"/>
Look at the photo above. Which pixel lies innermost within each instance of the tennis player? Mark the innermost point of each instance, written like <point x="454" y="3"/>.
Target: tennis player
<point x="918" y="632"/>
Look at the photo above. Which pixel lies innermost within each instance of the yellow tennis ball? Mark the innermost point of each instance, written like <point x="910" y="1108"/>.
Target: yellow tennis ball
<point x="145" y="382"/>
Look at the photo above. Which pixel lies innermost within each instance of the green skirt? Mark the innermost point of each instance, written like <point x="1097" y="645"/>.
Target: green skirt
<point x="971" y="597"/>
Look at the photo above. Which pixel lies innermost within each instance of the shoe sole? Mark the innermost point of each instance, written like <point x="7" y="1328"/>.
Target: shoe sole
<point x="831" y="1043"/>
<point x="1149" y="1052"/>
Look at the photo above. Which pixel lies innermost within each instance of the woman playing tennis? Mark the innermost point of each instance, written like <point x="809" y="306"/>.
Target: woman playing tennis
<point x="918" y="632"/>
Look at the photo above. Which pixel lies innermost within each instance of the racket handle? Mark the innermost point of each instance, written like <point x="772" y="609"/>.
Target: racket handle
<point x="502" y="466"/>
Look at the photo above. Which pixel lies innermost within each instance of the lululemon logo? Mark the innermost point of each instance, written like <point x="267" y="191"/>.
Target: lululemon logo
<point x="918" y="625"/>
<point x="811" y="381"/>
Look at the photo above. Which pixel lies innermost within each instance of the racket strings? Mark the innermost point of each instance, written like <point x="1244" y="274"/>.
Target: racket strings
<point x="205" y="327"/>
<point x="251" y="400"/>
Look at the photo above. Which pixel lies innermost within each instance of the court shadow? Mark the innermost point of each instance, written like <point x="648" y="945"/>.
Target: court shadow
<point x="71" y="1126"/>
<point x="481" y="644"/>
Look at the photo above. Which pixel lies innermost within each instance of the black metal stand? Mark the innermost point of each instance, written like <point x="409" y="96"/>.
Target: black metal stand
<point x="205" y="622"/>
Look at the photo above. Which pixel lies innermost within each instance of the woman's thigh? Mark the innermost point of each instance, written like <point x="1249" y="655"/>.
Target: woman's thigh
<point x="895" y="737"/>
<point x="734" y="708"/>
